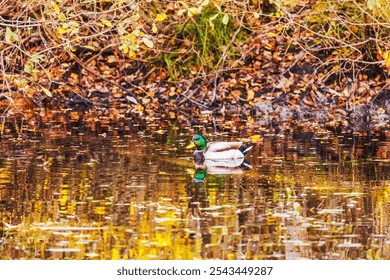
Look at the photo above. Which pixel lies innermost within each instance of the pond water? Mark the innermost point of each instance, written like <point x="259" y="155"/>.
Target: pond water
<point x="139" y="196"/>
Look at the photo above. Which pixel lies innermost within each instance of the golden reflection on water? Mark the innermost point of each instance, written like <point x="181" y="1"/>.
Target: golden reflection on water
<point x="306" y="197"/>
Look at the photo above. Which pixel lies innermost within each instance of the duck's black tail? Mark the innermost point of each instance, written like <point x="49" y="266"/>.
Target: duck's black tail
<point x="244" y="150"/>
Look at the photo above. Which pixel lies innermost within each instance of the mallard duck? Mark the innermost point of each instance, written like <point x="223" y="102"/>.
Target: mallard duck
<point x="217" y="150"/>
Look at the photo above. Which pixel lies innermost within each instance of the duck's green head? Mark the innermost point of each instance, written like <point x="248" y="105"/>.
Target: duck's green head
<point x="199" y="142"/>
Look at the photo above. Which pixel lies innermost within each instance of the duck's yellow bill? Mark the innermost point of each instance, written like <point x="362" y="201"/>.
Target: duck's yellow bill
<point x="190" y="145"/>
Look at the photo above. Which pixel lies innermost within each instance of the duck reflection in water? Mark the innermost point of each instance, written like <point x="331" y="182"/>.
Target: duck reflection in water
<point x="219" y="167"/>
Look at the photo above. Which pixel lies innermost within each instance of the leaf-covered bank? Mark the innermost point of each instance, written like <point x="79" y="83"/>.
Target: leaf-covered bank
<point x="195" y="62"/>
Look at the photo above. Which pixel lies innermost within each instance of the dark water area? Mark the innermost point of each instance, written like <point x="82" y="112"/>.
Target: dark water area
<point x="138" y="195"/>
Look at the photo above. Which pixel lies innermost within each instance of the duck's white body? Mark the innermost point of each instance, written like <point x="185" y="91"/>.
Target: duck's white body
<point x="223" y="150"/>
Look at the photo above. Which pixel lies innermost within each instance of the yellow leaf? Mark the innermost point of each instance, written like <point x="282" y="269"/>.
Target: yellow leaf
<point x="125" y="49"/>
<point x="255" y="138"/>
<point x="161" y="17"/>
<point x="56" y="8"/>
<point x="160" y="131"/>
<point x="225" y="19"/>
<point x="61" y="31"/>
<point x="192" y="11"/>
<point x="371" y="4"/>
<point x="147" y="42"/>
<point x="384" y="55"/>
<point x="115" y="254"/>
<point x="297" y="207"/>
<point x="140" y="108"/>
<point x="387" y="58"/>
<point x="90" y="47"/>
<point x="154" y="28"/>
<point x="251" y="94"/>
<point x="62" y="17"/>
<point x="8" y="35"/>
<point x="212" y="25"/>
<point x="107" y="22"/>
<point x="271" y="34"/>
<point x="20" y="83"/>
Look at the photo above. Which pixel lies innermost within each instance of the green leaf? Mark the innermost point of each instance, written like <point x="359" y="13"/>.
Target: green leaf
<point x="136" y="17"/>
<point x="28" y="67"/>
<point x="46" y="91"/>
<point x="9" y="35"/>
<point x="36" y="57"/>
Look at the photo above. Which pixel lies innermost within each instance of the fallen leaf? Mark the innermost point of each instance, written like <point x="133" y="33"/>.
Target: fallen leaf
<point x="148" y="42"/>
<point x="56" y="8"/>
<point x="225" y="19"/>
<point x="107" y="23"/>
<point x="161" y="17"/>
<point x="46" y="91"/>
<point x="251" y="94"/>
<point x="154" y="28"/>
<point x="255" y="138"/>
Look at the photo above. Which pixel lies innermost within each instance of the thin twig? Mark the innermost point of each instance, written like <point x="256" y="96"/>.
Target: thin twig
<point x="222" y="59"/>
<point x="108" y="80"/>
